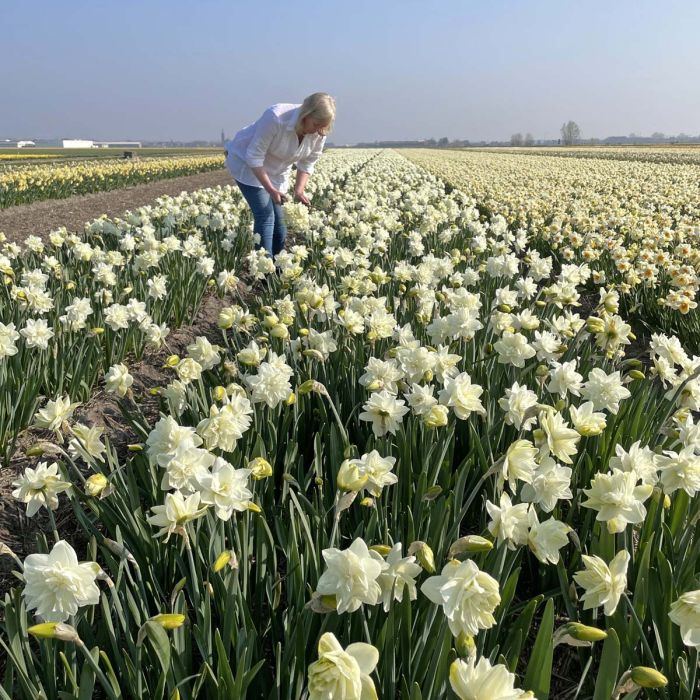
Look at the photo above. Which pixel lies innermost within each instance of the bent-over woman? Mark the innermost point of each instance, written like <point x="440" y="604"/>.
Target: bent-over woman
<point x="260" y="158"/>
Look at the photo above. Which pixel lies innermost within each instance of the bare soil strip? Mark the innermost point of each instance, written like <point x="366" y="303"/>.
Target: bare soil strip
<point x="40" y="218"/>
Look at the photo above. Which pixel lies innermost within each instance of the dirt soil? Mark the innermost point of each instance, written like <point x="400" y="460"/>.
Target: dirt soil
<point x="40" y="218"/>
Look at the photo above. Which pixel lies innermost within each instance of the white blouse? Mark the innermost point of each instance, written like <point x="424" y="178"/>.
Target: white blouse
<point x="272" y="142"/>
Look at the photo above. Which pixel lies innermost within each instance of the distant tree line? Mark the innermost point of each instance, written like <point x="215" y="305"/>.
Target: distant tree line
<point x="570" y="134"/>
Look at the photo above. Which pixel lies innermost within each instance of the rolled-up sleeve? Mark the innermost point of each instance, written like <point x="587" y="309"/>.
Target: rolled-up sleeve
<point x="307" y="164"/>
<point x="265" y="129"/>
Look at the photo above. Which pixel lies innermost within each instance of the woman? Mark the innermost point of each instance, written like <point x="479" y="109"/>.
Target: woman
<point x="260" y="158"/>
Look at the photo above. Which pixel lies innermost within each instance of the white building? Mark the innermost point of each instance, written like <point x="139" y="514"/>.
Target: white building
<point x="85" y="143"/>
<point x="78" y="143"/>
<point x="24" y="144"/>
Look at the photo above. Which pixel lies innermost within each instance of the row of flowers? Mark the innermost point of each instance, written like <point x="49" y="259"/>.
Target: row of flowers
<point x="32" y="183"/>
<point x="411" y="392"/>
<point x="635" y="224"/>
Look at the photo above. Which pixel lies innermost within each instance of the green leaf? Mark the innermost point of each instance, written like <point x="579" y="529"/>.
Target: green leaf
<point x="539" y="669"/>
<point x="87" y="677"/>
<point x="607" y="672"/>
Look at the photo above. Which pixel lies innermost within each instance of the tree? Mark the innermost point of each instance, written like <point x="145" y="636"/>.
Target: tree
<point x="529" y="140"/>
<point x="516" y="139"/>
<point x="443" y="142"/>
<point x="570" y="133"/>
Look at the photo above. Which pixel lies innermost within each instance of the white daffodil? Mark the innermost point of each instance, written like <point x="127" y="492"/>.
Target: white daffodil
<point x="603" y="584"/>
<point x="175" y="513"/>
<point x="342" y="674"/>
<point x="226" y="488"/>
<point x="352" y="576"/>
<point x="618" y="499"/>
<point x="467" y="595"/>
<point x="384" y="411"/>
<point x="685" y="612"/>
<point x="39" y="488"/>
<point x="118" y="379"/>
<point x="57" y="585"/>
<point x="472" y="680"/>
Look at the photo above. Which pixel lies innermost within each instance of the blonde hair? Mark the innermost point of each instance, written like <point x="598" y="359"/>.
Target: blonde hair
<point x="319" y="106"/>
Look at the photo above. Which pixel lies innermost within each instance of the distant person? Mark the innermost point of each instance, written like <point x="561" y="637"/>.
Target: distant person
<point x="260" y="158"/>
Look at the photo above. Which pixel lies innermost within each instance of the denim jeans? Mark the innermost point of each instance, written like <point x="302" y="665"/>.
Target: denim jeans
<point x="268" y="218"/>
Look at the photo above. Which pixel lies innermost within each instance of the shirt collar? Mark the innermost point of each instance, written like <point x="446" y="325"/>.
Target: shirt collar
<point x="292" y="118"/>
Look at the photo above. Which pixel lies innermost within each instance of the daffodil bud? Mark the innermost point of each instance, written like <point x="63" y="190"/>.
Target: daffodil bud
<point x="504" y="308"/>
<point x="219" y="393"/>
<point x="280" y="331"/>
<point x="382" y="549"/>
<point x="154" y="391"/>
<point x="595" y="324"/>
<point x="584" y="633"/>
<point x="424" y="555"/>
<point x="636" y="374"/>
<point x="34" y="451"/>
<point x="374" y="385"/>
<point x="313" y="354"/>
<point x="464" y="645"/>
<point x="168" y="621"/>
<point x="432" y="493"/>
<point x="367" y="502"/>
<point x="436" y="417"/>
<point x="260" y="468"/>
<point x="488" y="348"/>
<point x="227" y="557"/>
<point x="54" y="630"/>
<point x="97" y="330"/>
<point x="172" y="361"/>
<point x="303" y="332"/>
<point x="542" y="371"/>
<point x="96" y="484"/>
<point x="253" y="507"/>
<point x="306" y="387"/>
<point x="540" y="304"/>
<point x="647" y="677"/>
<point x="470" y="544"/>
<point x="135" y="447"/>
<point x="119" y="550"/>
<point x="291" y="399"/>
<point x="349" y="477"/>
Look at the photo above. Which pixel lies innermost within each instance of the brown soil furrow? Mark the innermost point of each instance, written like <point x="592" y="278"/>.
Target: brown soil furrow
<point x="40" y="218"/>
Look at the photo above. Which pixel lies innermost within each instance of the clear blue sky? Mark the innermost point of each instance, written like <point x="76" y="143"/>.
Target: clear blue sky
<point x="477" y="69"/>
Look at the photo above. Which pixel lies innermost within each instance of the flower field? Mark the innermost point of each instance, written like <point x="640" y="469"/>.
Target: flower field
<point x="23" y="184"/>
<point x="446" y="448"/>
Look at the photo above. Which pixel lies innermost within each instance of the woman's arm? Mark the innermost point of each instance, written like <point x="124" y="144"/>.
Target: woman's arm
<point x="265" y="130"/>
<point x="305" y="166"/>
<point x="277" y="196"/>
<point x="302" y="179"/>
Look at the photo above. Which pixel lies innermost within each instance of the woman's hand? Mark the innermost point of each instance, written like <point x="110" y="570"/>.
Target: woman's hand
<point x="277" y="196"/>
<point x="301" y="197"/>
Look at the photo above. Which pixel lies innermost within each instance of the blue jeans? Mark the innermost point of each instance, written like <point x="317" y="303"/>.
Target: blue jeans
<point x="268" y="218"/>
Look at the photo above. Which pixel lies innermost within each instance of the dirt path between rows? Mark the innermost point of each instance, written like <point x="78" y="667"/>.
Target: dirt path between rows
<point x="40" y="218"/>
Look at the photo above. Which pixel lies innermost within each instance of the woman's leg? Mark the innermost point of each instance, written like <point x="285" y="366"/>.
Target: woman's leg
<point x="262" y="206"/>
<point x="279" y="234"/>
